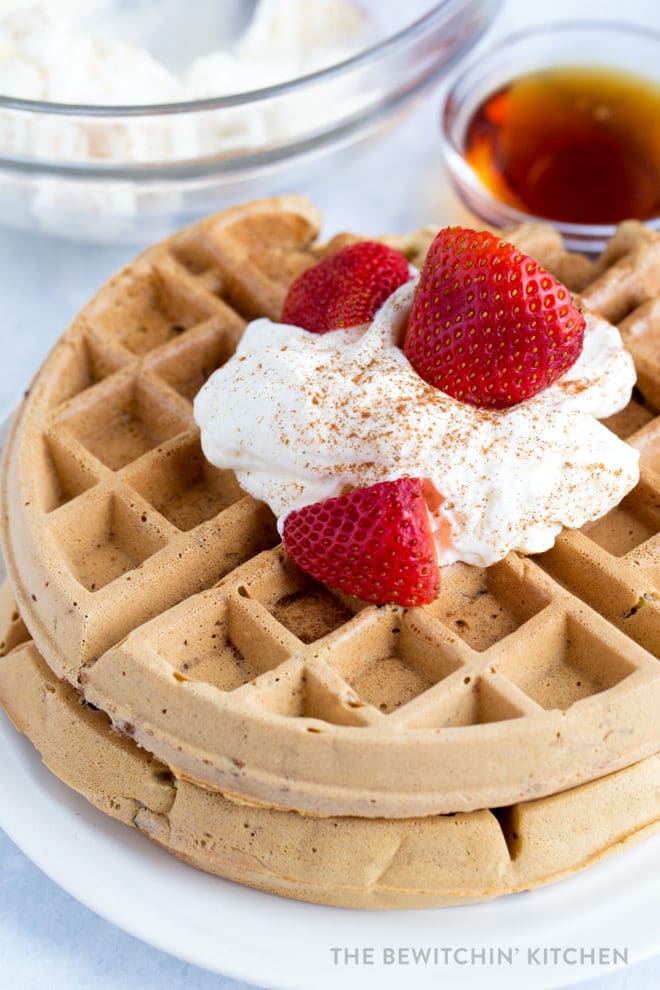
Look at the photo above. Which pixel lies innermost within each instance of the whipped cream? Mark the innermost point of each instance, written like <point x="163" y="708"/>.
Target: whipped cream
<point x="48" y="52"/>
<point x="73" y="51"/>
<point x="302" y="417"/>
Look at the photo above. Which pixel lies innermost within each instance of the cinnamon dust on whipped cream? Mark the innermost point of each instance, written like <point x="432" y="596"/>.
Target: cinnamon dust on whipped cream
<point x="302" y="417"/>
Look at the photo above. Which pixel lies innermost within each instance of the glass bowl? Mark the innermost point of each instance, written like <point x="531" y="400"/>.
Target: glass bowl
<point x="133" y="173"/>
<point x="587" y="44"/>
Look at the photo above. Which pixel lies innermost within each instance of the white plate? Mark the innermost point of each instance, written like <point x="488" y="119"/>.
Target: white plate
<point x="277" y="943"/>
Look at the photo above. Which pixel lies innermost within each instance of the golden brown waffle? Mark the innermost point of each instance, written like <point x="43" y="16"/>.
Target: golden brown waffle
<point x="12" y="628"/>
<point x="267" y="685"/>
<point x="351" y="862"/>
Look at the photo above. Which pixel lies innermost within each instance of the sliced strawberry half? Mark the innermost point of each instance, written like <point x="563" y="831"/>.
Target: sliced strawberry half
<point x="373" y="542"/>
<point x="488" y="325"/>
<point x="346" y="288"/>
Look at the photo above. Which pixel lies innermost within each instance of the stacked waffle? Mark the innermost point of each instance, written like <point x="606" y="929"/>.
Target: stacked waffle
<point x="190" y="680"/>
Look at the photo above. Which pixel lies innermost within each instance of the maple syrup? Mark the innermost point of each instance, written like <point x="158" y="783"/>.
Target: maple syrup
<point x="571" y="144"/>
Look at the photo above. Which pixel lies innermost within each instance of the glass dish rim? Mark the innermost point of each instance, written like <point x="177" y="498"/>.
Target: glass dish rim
<point x="464" y="175"/>
<point x="438" y="12"/>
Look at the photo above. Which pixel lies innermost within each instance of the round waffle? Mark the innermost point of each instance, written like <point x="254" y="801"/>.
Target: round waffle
<point x="156" y="587"/>
<point x="349" y="862"/>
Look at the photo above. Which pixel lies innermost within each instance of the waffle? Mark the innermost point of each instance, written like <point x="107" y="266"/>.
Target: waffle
<point x="154" y="586"/>
<point x="349" y="862"/>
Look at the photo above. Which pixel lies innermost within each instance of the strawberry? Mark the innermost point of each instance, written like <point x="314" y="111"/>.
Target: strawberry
<point x="488" y="325"/>
<point x="373" y="542"/>
<point x="346" y="288"/>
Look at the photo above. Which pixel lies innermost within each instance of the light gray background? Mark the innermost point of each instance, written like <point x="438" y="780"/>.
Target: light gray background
<point x="47" y="940"/>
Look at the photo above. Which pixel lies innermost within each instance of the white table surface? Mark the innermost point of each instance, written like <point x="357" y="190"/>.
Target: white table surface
<point x="47" y="940"/>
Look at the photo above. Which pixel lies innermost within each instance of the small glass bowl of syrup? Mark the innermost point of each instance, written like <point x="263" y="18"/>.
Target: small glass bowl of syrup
<point x="560" y="123"/>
